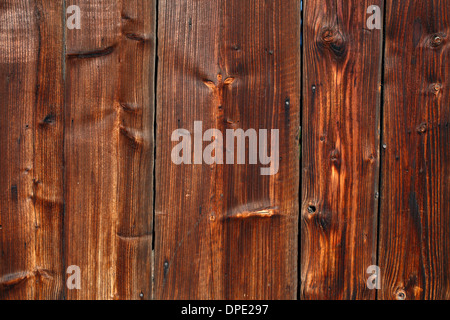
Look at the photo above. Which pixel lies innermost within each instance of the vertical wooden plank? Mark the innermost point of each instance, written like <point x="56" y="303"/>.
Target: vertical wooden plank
<point x="340" y="158"/>
<point x="31" y="149"/>
<point x="415" y="211"/>
<point x="224" y="231"/>
<point x="136" y="148"/>
<point x="48" y="184"/>
<point x="109" y="148"/>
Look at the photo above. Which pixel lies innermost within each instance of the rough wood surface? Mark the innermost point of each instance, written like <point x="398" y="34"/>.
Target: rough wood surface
<point x="109" y="149"/>
<point x="415" y="205"/>
<point x="231" y="64"/>
<point x="76" y="149"/>
<point x="31" y="149"/>
<point x="340" y="141"/>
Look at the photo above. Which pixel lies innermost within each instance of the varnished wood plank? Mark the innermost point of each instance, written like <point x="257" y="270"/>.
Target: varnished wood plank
<point x="109" y="148"/>
<point x="225" y="231"/>
<point x="415" y="211"/>
<point x="31" y="149"/>
<point x="340" y="141"/>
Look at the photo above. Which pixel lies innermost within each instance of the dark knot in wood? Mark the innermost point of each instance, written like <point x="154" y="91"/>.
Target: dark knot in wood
<point x="332" y="39"/>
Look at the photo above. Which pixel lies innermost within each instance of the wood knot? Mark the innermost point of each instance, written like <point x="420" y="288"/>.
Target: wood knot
<point x="137" y="37"/>
<point x="312" y="209"/>
<point x="322" y="221"/>
<point x="328" y="35"/>
<point x="133" y="137"/>
<point x="334" y="156"/>
<point x="333" y="40"/>
<point x="436" y="88"/>
<point x="49" y="119"/>
<point x="422" y="128"/>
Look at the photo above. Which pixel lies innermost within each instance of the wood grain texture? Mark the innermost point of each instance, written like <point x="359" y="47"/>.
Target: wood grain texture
<point x="31" y="149"/>
<point x="77" y="148"/>
<point x="340" y="141"/>
<point x="415" y="211"/>
<point x="231" y="64"/>
<point x="109" y="148"/>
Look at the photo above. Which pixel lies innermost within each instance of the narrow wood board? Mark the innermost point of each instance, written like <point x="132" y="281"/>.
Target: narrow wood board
<point x="31" y="149"/>
<point x="340" y="143"/>
<point x="415" y="204"/>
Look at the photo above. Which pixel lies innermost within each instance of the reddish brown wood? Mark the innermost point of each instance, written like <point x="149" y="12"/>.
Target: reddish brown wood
<point x="76" y="149"/>
<point x="415" y="211"/>
<point x="231" y="64"/>
<point x="31" y="149"/>
<point x="109" y="148"/>
<point x="340" y="158"/>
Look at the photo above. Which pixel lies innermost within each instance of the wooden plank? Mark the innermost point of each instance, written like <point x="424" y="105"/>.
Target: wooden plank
<point x="109" y="148"/>
<point x="340" y="142"/>
<point x="31" y="149"/>
<point x="415" y="211"/>
<point x="225" y="231"/>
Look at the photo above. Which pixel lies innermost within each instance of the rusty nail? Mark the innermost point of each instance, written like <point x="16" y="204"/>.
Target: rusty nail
<point x="437" y="40"/>
<point x="401" y="294"/>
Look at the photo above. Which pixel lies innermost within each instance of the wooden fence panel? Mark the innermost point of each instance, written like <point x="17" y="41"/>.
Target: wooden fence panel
<point x="31" y="149"/>
<point x="77" y="148"/>
<point x="415" y="204"/>
<point x="109" y="148"/>
<point x="226" y="231"/>
<point x="340" y="141"/>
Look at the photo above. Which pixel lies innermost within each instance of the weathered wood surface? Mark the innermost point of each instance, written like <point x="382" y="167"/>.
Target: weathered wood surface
<point x="415" y="203"/>
<point x="76" y="149"/>
<point x="231" y="64"/>
<point x="340" y="141"/>
<point x="31" y="149"/>
<point x="109" y="149"/>
<point x="76" y="123"/>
